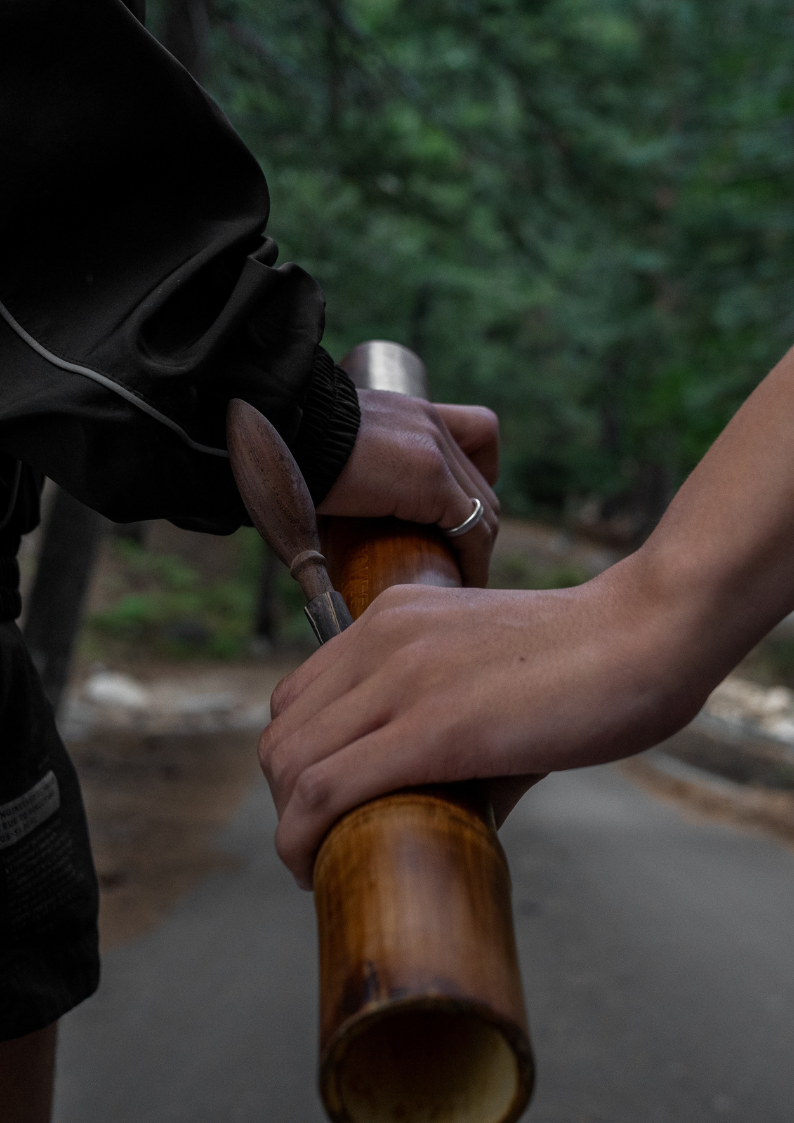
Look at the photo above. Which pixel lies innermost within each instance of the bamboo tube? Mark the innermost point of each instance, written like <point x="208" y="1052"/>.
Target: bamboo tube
<point x="422" y="1014"/>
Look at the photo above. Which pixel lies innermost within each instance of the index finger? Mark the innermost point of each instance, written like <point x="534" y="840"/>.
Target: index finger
<point x="475" y="430"/>
<point x="289" y="689"/>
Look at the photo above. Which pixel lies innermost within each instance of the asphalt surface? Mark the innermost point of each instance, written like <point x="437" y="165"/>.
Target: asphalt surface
<point x="658" y="957"/>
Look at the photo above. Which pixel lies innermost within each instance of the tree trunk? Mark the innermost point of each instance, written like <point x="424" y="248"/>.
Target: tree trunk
<point x="66" y="558"/>
<point x="266" y="622"/>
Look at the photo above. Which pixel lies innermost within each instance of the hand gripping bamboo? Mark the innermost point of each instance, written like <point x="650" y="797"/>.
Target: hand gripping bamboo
<point x="422" y="1014"/>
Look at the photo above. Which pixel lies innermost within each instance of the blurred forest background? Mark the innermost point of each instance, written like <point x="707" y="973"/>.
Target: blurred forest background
<point x="577" y="211"/>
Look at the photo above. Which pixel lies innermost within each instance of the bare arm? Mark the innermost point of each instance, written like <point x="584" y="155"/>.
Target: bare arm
<point x="439" y="684"/>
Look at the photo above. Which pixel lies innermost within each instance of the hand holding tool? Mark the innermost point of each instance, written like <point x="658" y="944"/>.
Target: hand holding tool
<point x="278" y="501"/>
<point x="421" y="1009"/>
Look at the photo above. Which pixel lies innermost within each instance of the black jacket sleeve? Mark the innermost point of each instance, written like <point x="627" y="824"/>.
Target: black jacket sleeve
<point x="137" y="290"/>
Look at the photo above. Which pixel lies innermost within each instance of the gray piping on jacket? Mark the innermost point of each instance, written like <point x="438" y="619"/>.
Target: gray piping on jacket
<point x="109" y="384"/>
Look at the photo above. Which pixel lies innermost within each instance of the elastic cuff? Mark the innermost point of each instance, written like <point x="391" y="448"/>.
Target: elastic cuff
<point x="331" y="417"/>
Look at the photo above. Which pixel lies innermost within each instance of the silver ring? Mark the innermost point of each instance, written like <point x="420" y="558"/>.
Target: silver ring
<point x="467" y="524"/>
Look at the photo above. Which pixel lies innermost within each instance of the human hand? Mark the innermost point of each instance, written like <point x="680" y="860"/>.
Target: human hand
<point x="424" y="463"/>
<point x="434" y="685"/>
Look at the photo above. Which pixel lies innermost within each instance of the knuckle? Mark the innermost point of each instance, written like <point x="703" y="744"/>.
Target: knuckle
<point x="387" y="602"/>
<point x="277" y="766"/>
<point x="491" y="526"/>
<point x="388" y="611"/>
<point x="383" y="625"/>
<point x="431" y="461"/>
<point x="312" y="788"/>
<point x="266" y="747"/>
<point x="489" y="422"/>
<point x="380" y="622"/>
<point x="439" y="479"/>
<point x="279" y="699"/>
<point x="287" y="851"/>
<point x="283" y="851"/>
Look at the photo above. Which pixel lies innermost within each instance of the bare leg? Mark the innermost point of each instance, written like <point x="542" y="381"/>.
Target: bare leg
<point x="27" y="1070"/>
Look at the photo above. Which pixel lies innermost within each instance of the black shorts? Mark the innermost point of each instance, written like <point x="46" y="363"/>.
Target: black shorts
<point x="49" y="945"/>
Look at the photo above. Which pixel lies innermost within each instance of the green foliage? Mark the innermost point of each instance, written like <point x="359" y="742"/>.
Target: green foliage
<point x="293" y="627"/>
<point x="577" y="211"/>
<point x="173" y="613"/>
<point x="158" y="605"/>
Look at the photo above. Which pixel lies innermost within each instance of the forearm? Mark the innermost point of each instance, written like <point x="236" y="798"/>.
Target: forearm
<point x="719" y="565"/>
<point x="124" y="334"/>
<point x="433" y="685"/>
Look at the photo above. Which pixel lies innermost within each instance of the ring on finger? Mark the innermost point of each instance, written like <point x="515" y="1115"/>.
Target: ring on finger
<point x="468" y="523"/>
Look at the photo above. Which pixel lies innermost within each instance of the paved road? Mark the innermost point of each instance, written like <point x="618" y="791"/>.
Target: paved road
<point x="658" y="956"/>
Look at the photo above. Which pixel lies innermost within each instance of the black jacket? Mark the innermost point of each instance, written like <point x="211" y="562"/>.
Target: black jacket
<point x="137" y="290"/>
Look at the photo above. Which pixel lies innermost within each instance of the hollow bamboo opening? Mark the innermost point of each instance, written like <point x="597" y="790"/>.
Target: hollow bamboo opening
<point x="428" y="1066"/>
